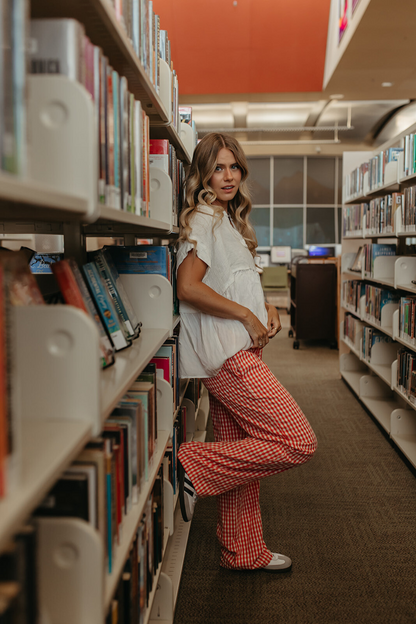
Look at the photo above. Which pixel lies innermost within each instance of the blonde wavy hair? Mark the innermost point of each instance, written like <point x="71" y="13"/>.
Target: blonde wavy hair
<point x="199" y="192"/>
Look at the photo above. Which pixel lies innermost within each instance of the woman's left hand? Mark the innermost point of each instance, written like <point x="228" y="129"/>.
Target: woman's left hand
<point x="273" y="321"/>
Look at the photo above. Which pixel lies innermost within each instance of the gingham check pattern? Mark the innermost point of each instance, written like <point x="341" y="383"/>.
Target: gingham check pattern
<point x="259" y="431"/>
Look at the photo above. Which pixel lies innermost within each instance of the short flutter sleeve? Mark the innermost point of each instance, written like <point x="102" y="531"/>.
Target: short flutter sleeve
<point x="201" y="232"/>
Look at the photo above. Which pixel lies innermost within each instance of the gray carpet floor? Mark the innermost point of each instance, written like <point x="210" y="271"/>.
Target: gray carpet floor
<point x="347" y="519"/>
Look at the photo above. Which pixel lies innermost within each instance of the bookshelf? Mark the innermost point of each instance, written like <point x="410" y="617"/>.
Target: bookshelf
<point x="64" y="397"/>
<point x="374" y="380"/>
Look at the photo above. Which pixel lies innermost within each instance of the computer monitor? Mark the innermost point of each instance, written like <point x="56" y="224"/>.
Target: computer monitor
<point x="317" y="251"/>
<point x="280" y="255"/>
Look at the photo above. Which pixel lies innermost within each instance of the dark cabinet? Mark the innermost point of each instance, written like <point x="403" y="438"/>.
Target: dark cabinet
<point x="313" y="290"/>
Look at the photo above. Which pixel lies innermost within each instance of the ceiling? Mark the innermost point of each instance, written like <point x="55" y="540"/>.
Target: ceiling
<point x="246" y="46"/>
<point x="256" y="68"/>
<point x="359" y="121"/>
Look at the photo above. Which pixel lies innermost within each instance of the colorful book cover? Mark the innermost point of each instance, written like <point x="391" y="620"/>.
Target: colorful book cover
<point x="141" y="259"/>
<point x="112" y="282"/>
<point x="105" y="306"/>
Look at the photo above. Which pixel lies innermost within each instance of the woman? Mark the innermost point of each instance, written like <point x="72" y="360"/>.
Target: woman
<point x="259" y="429"/>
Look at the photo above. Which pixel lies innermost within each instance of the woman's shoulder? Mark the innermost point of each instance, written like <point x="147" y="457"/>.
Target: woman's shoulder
<point x="204" y="209"/>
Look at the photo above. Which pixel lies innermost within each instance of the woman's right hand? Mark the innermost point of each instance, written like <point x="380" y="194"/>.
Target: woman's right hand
<point x="257" y="331"/>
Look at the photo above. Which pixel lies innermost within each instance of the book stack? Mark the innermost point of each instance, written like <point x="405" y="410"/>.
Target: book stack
<point x="60" y="46"/>
<point x="18" y="579"/>
<point x="407" y="319"/>
<point x="409" y="154"/>
<point x="377" y="166"/>
<point x="375" y="300"/>
<point x="353" y="218"/>
<point x="406" y="373"/>
<point x="130" y="602"/>
<point x="13" y="38"/>
<point x="409" y="209"/>
<point x="352" y="328"/>
<point x="373" y="251"/>
<point x="370" y="338"/>
<point x="163" y="156"/>
<point x="352" y="291"/>
<point x="379" y="217"/>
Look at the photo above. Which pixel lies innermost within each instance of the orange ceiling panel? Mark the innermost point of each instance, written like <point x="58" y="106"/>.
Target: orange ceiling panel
<point x="246" y="46"/>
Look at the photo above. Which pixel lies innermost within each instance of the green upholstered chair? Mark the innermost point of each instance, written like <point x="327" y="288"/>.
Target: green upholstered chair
<point x="274" y="278"/>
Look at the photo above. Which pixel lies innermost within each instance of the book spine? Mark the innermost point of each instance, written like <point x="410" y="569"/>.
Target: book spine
<point x="116" y="113"/>
<point x="105" y="306"/>
<point x="112" y="290"/>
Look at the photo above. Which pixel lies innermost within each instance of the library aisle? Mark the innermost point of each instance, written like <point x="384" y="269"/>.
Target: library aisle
<point x="347" y="519"/>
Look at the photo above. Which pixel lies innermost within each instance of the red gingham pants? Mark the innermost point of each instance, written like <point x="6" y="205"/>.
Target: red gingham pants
<point x="259" y="431"/>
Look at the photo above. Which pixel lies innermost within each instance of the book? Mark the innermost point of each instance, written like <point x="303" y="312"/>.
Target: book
<point x="111" y="278"/>
<point x="90" y="471"/>
<point x="13" y="38"/>
<point x="69" y="497"/>
<point x="75" y="292"/>
<point x="357" y="262"/>
<point x="95" y="457"/>
<point x="159" y="154"/>
<point x="58" y="47"/>
<point x="105" y="306"/>
<point x="141" y="259"/>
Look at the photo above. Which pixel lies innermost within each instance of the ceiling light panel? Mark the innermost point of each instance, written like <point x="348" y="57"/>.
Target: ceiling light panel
<point x="278" y="115"/>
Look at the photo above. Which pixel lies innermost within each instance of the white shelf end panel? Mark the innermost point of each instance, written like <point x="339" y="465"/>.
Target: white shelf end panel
<point x="57" y="365"/>
<point x="71" y="568"/>
<point x="63" y="138"/>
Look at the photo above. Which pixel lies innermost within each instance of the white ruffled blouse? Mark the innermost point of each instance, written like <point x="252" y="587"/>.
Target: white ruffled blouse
<point x="205" y="341"/>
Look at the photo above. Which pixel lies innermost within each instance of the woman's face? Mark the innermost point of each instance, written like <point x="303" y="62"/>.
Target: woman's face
<point x="226" y="178"/>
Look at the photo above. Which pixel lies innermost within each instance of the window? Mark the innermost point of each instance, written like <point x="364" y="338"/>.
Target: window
<point x="259" y="180"/>
<point x="260" y="218"/>
<point x="288" y="181"/>
<point x="292" y="208"/>
<point x="288" y="227"/>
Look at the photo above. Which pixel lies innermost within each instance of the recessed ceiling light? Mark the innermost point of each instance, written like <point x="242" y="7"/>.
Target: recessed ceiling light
<point x="387" y="84"/>
<point x="337" y="96"/>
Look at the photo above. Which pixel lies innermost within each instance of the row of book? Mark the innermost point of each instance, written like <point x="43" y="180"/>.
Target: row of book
<point x="406" y="373"/>
<point x="60" y="46"/>
<point x="163" y="156"/>
<point x="104" y="483"/>
<point x="375" y="250"/>
<point x="101" y="487"/>
<point x="377" y="166"/>
<point x="131" y="600"/>
<point x="376" y="217"/>
<point x="371" y="337"/>
<point x="376" y="298"/>
<point x="409" y="154"/>
<point x="97" y="289"/>
<point x="375" y="169"/>
<point x="409" y="209"/>
<point x="407" y="322"/>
